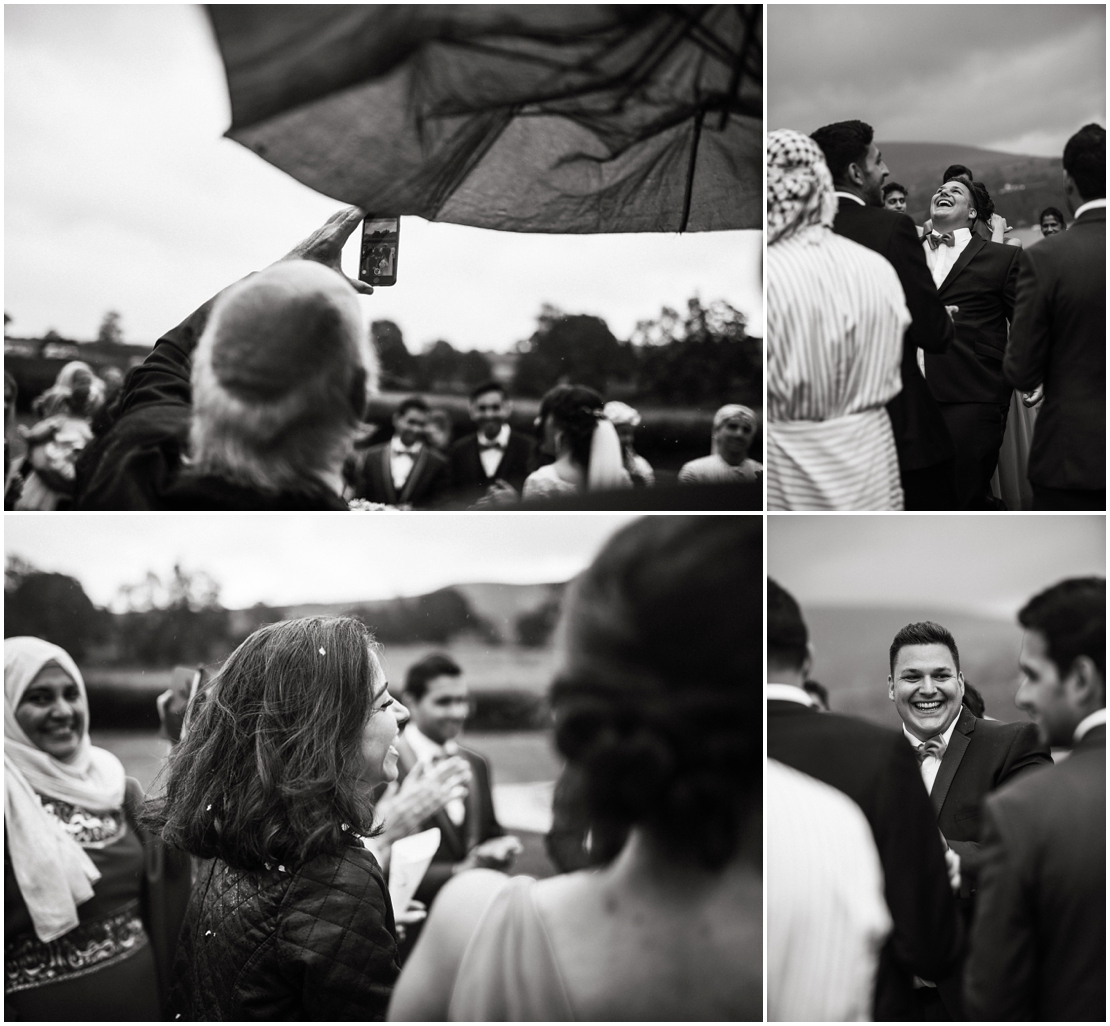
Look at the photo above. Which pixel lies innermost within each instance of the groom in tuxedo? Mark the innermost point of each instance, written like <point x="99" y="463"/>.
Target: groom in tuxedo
<point x="489" y="466"/>
<point x="979" y="278"/>
<point x="962" y="759"/>
<point x="925" y="452"/>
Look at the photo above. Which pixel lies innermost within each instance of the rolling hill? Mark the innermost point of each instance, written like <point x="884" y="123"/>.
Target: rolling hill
<point x="1021" y="186"/>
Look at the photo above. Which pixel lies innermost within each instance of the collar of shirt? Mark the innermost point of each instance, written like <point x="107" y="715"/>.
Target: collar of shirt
<point x="1089" y="205"/>
<point x="1096" y="719"/>
<point x="424" y="748"/>
<point x="851" y="196"/>
<point x="499" y="442"/>
<point x="398" y="448"/>
<point x="917" y="742"/>
<point x="787" y="693"/>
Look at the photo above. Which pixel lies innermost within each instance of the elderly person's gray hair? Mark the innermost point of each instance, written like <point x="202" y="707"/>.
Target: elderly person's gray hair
<point x="280" y="379"/>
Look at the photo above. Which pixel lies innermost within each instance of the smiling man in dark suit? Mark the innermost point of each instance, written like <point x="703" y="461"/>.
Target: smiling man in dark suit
<point x="962" y="759"/>
<point x="925" y="450"/>
<point x="979" y="279"/>
<point x="1058" y="338"/>
<point x="1038" y="947"/>
<point x="874" y="767"/>
<point x="489" y="466"/>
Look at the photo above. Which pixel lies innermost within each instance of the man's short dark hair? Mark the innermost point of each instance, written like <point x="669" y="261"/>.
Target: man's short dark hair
<point x="1055" y="213"/>
<point x="488" y="386"/>
<point x="413" y="402"/>
<point x="844" y="143"/>
<point x="422" y="673"/>
<point x="957" y="171"/>
<point x="1072" y="617"/>
<point x="924" y="633"/>
<point x="1085" y="161"/>
<point x="815" y="689"/>
<point x="894" y="187"/>
<point x="787" y="636"/>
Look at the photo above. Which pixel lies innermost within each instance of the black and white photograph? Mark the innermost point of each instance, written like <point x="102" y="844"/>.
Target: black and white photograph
<point x="335" y="257"/>
<point x="936" y="775"/>
<point x="936" y="258"/>
<point x="436" y="767"/>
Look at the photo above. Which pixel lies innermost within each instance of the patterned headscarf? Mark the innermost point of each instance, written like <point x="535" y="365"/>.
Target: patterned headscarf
<point x="799" y="187"/>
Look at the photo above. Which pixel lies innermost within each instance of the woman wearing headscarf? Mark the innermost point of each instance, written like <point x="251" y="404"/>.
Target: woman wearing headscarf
<point x="587" y="450"/>
<point x="836" y="315"/>
<point x="625" y="419"/>
<point x="74" y="942"/>
<point x="727" y="463"/>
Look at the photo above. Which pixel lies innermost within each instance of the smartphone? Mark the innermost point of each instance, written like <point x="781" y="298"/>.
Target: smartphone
<point x="377" y="263"/>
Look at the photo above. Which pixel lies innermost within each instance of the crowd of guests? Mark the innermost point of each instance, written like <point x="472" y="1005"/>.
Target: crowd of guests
<point x="256" y="401"/>
<point x="254" y="886"/>
<point x="955" y="868"/>
<point x="932" y="367"/>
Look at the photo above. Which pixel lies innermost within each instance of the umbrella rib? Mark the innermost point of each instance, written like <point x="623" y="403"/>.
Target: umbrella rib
<point x="688" y="198"/>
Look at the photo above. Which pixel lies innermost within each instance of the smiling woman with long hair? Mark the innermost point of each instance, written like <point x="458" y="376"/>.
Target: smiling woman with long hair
<point x="273" y="785"/>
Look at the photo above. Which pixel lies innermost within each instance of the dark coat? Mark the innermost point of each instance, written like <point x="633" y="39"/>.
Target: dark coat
<point x="1058" y="339"/>
<point x="983" y="284"/>
<point x="478" y="825"/>
<point x="876" y="768"/>
<point x="371" y="478"/>
<point x="1038" y="946"/>
<point x="468" y="476"/>
<point x="920" y="434"/>
<point x="315" y="943"/>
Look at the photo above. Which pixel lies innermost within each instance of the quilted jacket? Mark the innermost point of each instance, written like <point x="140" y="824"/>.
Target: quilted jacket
<point x="315" y="943"/>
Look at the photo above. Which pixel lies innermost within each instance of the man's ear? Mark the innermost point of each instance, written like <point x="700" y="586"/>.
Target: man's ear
<point x="890" y="687"/>
<point x="807" y="663"/>
<point x="1085" y="684"/>
<point x="855" y="174"/>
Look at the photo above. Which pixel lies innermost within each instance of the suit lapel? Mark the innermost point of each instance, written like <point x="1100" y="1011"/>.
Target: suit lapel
<point x="962" y="260"/>
<point x="386" y="467"/>
<point x="415" y="474"/>
<point x="961" y="738"/>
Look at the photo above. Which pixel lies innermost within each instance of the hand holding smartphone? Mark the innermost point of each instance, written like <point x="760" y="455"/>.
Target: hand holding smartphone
<point x="377" y="262"/>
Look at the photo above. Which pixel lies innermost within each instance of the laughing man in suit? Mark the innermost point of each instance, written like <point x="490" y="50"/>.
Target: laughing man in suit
<point x="962" y="759"/>
<point x="874" y="767"/>
<point x="925" y="450"/>
<point x="979" y="278"/>
<point x="405" y="470"/>
<point x="489" y="466"/>
<point x="1038" y="947"/>
<point x="1059" y="338"/>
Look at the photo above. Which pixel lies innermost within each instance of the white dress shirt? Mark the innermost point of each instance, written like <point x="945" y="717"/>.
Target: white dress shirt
<point x="1089" y="205"/>
<point x="401" y="460"/>
<point x="1096" y="719"/>
<point x="428" y="751"/>
<point x="850" y="195"/>
<point x="826" y="915"/>
<point x="930" y="765"/>
<point x="941" y="259"/>
<point x="788" y="693"/>
<point x="490" y="453"/>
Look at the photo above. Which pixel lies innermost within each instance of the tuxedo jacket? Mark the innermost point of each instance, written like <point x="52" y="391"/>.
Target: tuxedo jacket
<point x="920" y="434"/>
<point x="468" y="475"/>
<point x="478" y="825"/>
<point x="983" y="284"/>
<point x="371" y="477"/>
<point x="1038" y="946"/>
<point x="1058" y="338"/>
<point x="876" y="768"/>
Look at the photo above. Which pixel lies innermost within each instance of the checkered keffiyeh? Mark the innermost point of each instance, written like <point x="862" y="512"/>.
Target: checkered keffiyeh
<point x="799" y="186"/>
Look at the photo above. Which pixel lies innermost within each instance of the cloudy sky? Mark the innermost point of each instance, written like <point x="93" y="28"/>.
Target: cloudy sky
<point x="287" y="559"/>
<point x="120" y="192"/>
<point x="990" y="565"/>
<point x="1016" y="78"/>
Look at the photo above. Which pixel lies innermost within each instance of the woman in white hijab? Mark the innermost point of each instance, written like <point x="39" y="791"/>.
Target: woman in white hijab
<point x="734" y="428"/>
<point x="74" y="942"/>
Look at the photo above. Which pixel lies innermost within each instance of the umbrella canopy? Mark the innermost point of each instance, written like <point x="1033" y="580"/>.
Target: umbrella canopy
<point x="528" y="118"/>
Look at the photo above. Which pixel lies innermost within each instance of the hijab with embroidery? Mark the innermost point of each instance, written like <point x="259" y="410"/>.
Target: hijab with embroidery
<point x="53" y="872"/>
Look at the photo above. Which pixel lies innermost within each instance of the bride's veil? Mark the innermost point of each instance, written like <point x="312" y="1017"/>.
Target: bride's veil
<point x="606" y="459"/>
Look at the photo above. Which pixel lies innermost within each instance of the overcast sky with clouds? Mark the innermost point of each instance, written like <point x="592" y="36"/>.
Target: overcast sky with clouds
<point x="288" y="559"/>
<point x="120" y="193"/>
<point x="1016" y="78"/>
<point x="990" y="565"/>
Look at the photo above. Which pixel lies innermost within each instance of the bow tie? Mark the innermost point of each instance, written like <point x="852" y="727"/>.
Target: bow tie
<point x="935" y="747"/>
<point x="495" y="444"/>
<point x="412" y="451"/>
<point x="937" y="239"/>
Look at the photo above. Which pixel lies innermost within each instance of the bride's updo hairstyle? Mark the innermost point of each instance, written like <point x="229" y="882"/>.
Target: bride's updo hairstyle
<point x="659" y="698"/>
<point x="575" y="410"/>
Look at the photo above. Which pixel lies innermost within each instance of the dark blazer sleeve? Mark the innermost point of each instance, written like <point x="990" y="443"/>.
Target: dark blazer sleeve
<point x="1027" y="352"/>
<point x="338" y="940"/>
<point x="931" y="329"/>
<point x="1000" y="974"/>
<point x="1009" y="288"/>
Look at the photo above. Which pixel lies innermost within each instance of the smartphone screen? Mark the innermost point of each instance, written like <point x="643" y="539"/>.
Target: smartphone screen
<point x="377" y="264"/>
